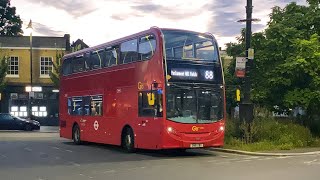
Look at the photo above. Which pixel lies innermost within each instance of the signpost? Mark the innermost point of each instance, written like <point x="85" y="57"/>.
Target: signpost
<point x="241" y="67"/>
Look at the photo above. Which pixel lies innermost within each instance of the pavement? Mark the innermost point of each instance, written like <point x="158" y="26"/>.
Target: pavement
<point x="43" y="129"/>
<point x="294" y="152"/>
<point x="45" y="156"/>
<point x="49" y="129"/>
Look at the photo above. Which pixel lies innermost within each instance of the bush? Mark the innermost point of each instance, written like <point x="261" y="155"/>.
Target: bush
<point x="267" y="134"/>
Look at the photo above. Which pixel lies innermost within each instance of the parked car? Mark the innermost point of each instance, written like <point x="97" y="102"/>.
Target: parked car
<point x="10" y="122"/>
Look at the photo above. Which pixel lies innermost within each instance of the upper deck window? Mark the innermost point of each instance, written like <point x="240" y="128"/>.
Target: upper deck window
<point x="67" y="67"/>
<point x="183" y="45"/>
<point x="129" y="51"/>
<point x="78" y="64"/>
<point x="147" y="47"/>
<point x="96" y="59"/>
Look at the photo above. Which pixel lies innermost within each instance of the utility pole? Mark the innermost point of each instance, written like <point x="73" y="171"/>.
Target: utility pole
<point x="246" y="106"/>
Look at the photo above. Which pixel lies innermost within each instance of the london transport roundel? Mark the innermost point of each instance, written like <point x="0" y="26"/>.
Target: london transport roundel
<point x="96" y="125"/>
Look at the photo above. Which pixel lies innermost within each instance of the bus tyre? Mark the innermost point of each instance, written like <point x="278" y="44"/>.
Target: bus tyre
<point x="76" y="134"/>
<point x="128" y="140"/>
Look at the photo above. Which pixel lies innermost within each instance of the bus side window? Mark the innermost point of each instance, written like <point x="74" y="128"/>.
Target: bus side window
<point x="147" y="46"/>
<point x="70" y="106"/>
<point x="96" y="59"/>
<point x="66" y="67"/>
<point x="129" y="51"/>
<point x="77" y="108"/>
<point x="96" y="105"/>
<point x="87" y="62"/>
<point x="78" y="64"/>
<point x="111" y="57"/>
<point x="86" y="105"/>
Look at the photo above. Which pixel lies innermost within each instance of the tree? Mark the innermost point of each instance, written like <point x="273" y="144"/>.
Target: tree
<point x="57" y="69"/>
<point x="274" y="48"/>
<point x="10" y="23"/>
<point x="3" y="72"/>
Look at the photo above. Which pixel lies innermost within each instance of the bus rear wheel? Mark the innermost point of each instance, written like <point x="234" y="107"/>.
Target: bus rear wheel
<point x="128" y="140"/>
<point x="76" y="135"/>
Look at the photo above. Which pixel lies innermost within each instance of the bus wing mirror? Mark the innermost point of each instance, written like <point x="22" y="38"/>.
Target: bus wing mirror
<point x="151" y="99"/>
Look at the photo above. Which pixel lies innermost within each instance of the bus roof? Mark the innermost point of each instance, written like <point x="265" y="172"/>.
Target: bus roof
<point x="102" y="46"/>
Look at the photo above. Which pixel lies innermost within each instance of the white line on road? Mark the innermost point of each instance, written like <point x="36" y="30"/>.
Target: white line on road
<point x="69" y="150"/>
<point x="75" y="164"/>
<point x="310" y="162"/>
<point x="3" y="156"/>
<point x="269" y="158"/>
<point x="27" y="149"/>
<point x="246" y="160"/>
<point x="55" y="147"/>
<point x="282" y="157"/>
<point x="109" y="171"/>
<point x="250" y="158"/>
<point x="135" y="168"/>
<point x="233" y="159"/>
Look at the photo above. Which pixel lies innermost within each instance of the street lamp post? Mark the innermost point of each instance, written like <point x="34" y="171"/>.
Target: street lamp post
<point x="29" y="28"/>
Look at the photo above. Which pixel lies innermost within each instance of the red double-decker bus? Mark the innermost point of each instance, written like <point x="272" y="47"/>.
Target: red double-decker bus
<point x="157" y="89"/>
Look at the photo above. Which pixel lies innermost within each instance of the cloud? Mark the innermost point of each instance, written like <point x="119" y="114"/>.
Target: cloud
<point x="45" y="30"/>
<point x="225" y="14"/>
<point x="160" y="11"/>
<point x="76" y="8"/>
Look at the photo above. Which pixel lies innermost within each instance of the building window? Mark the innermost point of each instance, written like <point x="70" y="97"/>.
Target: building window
<point x="13" y="66"/>
<point x="45" y="66"/>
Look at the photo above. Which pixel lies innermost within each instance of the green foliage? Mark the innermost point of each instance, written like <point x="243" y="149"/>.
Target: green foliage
<point x="10" y="23"/>
<point x="3" y="72"/>
<point x="286" y="65"/>
<point x="57" y="69"/>
<point x="267" y="134"/>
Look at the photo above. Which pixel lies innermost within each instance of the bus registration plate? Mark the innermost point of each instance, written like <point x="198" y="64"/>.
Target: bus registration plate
<point x="196" y="145"/>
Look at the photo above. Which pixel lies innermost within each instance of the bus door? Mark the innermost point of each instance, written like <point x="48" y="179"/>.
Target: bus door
<point x="149" y="118"/>
<point x="93" y="112"/>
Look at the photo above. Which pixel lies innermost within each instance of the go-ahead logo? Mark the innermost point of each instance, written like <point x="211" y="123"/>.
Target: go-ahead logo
<point x="196" y="128"/>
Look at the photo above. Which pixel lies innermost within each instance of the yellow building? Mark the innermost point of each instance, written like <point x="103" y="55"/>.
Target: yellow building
<point x="22" y="75"/>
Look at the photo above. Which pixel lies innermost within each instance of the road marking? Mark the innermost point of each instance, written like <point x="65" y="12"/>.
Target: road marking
<point x="246" y="160"/>
<point x="55" y="147"/>
<point x="282" y="157"/>
<point x="130" y="169"/>
<point x="109" y="171"/>
<point x="268" y="158"/>
<point x="233" y="159"/>
<point x="4" y="156"/>
<point x="223" y="162"/>
<point x="75" y="164"/>
<point x="310" y="162"/>
<point x="250" y="158"/>
<point x="69" y="150"/>
<point x="27" y="149"/>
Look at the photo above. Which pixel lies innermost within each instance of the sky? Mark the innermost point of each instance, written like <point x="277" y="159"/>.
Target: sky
<point x="100" y="21"/>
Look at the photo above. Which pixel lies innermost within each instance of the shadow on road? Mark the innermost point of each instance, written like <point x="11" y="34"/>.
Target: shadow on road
<point x="170" y="153"/>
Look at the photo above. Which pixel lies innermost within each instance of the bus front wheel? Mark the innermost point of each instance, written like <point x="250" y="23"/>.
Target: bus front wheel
<point x="128" y="140"/>
<point x="76" y="134"/>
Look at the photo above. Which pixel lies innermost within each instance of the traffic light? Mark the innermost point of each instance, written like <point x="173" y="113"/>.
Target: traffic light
<point x="238" y="95"/>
